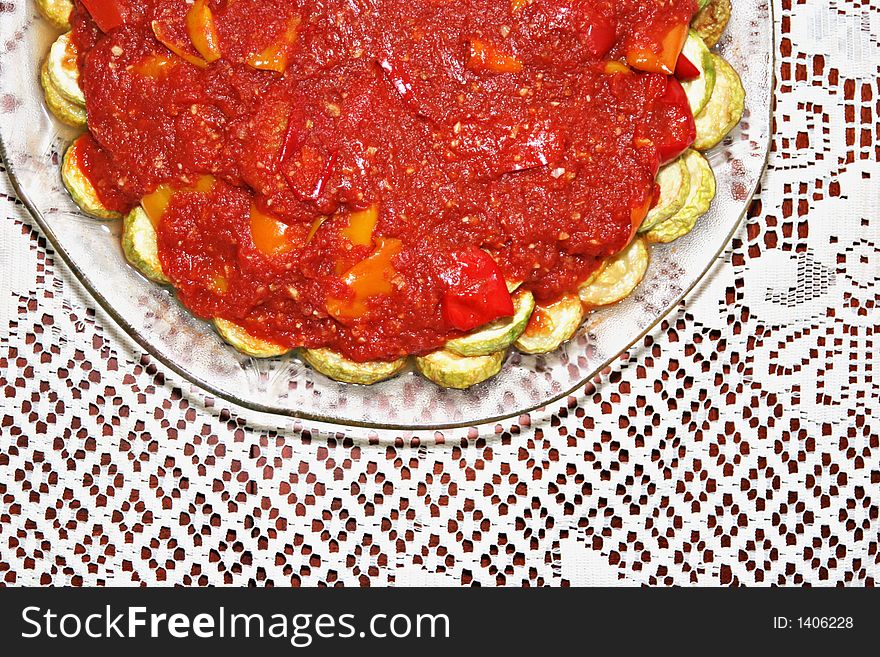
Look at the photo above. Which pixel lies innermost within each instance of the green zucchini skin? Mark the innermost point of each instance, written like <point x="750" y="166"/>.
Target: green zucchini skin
<point x="63" y="70"/>
<point x="702" y="191"/>
<point x="139" y="243"/>
<point x="552" y="325"/>
<point x="724" y="109"/>
<point x="62" y="109"/>
<point x="338" y="367"/>
<point x="497" y="335"/>
<point x="449" y="370"/>
<point x="674" y="181"/>
<point x="246" y="343"/>
<point x="699" y="90"/>
<point x="80" y="187"/>
<point x="621" y="275"/>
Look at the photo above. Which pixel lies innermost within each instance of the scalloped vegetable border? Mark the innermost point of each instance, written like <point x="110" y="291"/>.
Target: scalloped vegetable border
<point x="373" y="372"/>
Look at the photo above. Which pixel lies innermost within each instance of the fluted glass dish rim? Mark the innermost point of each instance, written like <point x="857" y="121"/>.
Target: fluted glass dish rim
<point x="761" y="24"/>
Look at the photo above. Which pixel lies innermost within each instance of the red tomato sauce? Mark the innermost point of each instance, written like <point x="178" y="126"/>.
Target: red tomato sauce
<point x="459" y="123"/>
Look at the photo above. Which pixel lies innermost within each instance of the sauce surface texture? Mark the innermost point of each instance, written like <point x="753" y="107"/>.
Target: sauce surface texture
<point x="316" y="168"/>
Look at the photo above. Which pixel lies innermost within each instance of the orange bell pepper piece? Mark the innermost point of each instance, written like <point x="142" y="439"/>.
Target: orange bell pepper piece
<point x="156" y="202"/>
<point x="202" y="31"/>
<point x="486" y="57"/>
<point x="270" y="235"/>
<point x="368" y="278"/>
<point x="203" y="185"/>
<point x="638" y="214"/>
<point x="646" y="59"/>
<point x="361" y="225"/>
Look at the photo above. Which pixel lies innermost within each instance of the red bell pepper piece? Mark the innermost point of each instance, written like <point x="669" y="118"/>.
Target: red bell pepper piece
<point x="475" y="292"/>
<point x="685" y="69"/>
<point x="108" y="14"/>
<point x="294" y="135"/>
<point x="310" y="172"/>
<point x="597" y="32"/>
<point x="682" y="130"/>
<point x="674" y="94"/>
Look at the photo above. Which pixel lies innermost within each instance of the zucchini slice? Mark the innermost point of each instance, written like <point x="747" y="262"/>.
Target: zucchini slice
<point x="139" y="245"/>
<point x="61" y="108"/>
<point x="64" y="71"/>
<point x="80" y="187"/>
<point x="596" y="273"/>
<point x="246" y="343"/>
<point x="448" y="369"/>
<point x="57" y="12"/>
<point x="711" y="20"/>
<point x="340" y="368"/>
<point x="619" y="278"/>
<point x="724" y="109"/>
<point x="699" y="90"/>
<point x="702" y="191"/>
<point x="674" y="181"/>
<point x="497" y="335"/>
<point x="552" y="325"/>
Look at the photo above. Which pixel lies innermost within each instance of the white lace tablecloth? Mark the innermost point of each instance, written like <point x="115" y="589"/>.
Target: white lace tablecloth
<point x="738" y="444"/>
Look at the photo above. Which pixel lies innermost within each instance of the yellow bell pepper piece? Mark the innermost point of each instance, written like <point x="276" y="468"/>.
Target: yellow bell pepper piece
<point x="202" y="31"/>
<point x="361" y="225"/>
<point x="268" y="233"/>
<point x="368" y="278"/>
